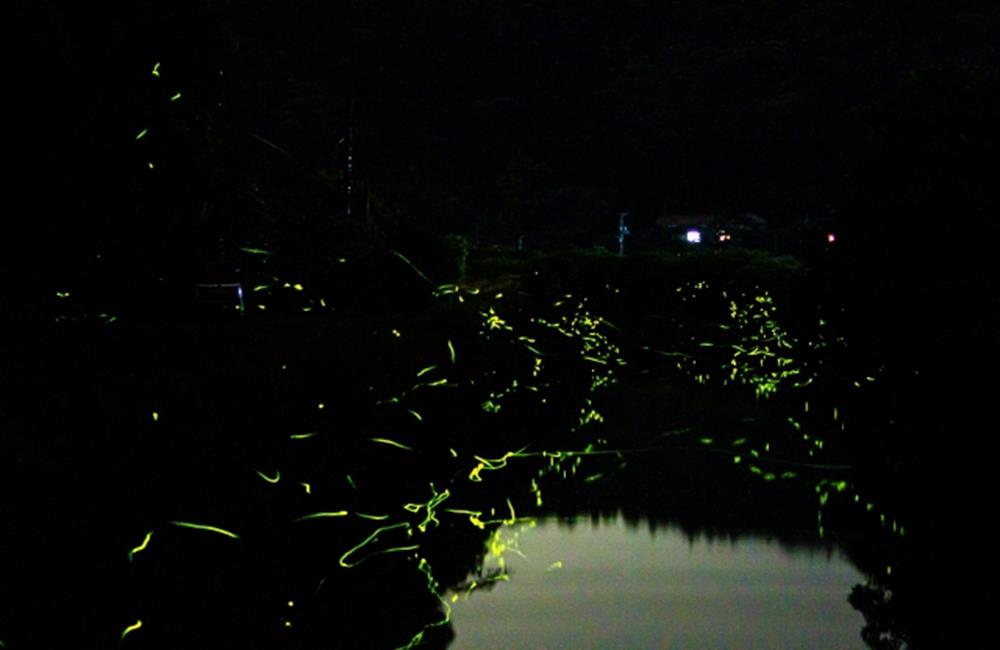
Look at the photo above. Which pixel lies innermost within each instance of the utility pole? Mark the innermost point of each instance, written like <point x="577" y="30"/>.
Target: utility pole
<point x="622" y="231"/>
<point x="350" y="153"/>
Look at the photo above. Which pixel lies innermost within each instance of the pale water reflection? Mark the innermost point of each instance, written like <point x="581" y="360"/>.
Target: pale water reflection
<point x="615" y="586"/>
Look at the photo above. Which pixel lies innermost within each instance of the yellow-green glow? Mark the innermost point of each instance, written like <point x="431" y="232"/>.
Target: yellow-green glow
<point x="451" y="352"/>
<point x="493" y="464"/>
<point x="391" y="443"/>
<point x="322" y="515"/>
<point x="424" y="371"/>
<point x="205" y="527"/>
<point x="302" y="436"/>
<point x="555" y="566"/>
<point x="156" y="416"/>
<point x="415" y="415"/>
<point x="156" y="69"/>
<point x="371" y="539"/>
<point x="275" y="479"/>
<point x="131" y="628"/>
<point x="175" y="97"/>
<point x="307" y="487"/>
<point x="321" y="406"/>
<point x="141" y="134"/>
<point x="141" y="547"/>
<point x="363" y="515"/>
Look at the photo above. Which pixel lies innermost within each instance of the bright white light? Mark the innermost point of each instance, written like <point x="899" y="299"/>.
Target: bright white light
<point x="694" y="236"/>
<point x="830" y="238"/>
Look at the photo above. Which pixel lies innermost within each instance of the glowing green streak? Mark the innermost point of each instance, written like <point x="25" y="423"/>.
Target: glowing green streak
<point x="416" y="415"/>
<point x="277" y="477"/>
<point x="175" y="97"/>
<point x="351" y="482"/>
<point x="392" y="443"/>
<point x="513" y="517"/>
<point x="433" y="587"/>
<point x="451" y="352"/>
<point x="142" y="134"/>
<point x="426" y="370"/>
<point x="140" y="547"/>
<point x="368" y="540"/>
<point x="156" y="69"/>
<point x="255" y="251"/>
<point x="322" y="515"/>
<point x="371" y="517"/>
<point x="495" y="464"/>
<point x="131" y="628"/>
<point x="211" y="529"/>
<point x="412" y="266"/>
<point x="555" y="566"/>
<point x="301" y="436"/>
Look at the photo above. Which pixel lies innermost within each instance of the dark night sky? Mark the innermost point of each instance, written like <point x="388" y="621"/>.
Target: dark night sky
<point x="477" y="116"/>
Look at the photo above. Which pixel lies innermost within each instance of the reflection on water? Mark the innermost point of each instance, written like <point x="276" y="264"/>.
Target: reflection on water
<point x="616" y="586"/>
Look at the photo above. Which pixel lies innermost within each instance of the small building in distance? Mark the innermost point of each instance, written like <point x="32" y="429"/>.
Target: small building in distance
<point x="747" y="230"/>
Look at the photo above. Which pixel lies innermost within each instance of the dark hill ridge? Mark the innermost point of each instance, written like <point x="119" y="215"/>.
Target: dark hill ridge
<point x="475" y="117"/>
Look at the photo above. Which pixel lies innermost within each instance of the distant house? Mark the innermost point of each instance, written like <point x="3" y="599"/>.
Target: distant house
<point x="747" y="229"/>
<point x="688" y="228"/>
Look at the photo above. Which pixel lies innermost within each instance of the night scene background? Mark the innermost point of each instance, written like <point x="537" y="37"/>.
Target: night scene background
<point x="311" y="309"/>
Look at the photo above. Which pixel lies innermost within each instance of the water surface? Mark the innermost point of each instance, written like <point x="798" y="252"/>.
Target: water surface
<point x="618" y="586"/>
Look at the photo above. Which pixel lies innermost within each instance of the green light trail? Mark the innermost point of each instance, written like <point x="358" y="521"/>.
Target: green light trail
<point x="323" y="515"/>
<point x="205" y="527"/>
<point x="131" y="628"/>
<point x="277" y="476"/>
<point x="141" y="547"/>
<point x="392" y="443"/>
<point x="371" y="539"/>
